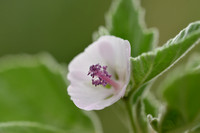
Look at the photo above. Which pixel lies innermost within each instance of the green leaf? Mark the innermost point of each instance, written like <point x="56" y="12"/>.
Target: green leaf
<point x="125" y="20"/>
<point x="153" y="122"/>
<point x="181" y="93"/>
<point x="140" y="117"/>
<point x="151" y="105"/>
<point x="28" y="127"/>
<point x="144" y="104"/>
<point x="33" y="88"/>
<point x="101" y="32"/>
<point x="149" y="65"/>
<point x="196" y="129"/>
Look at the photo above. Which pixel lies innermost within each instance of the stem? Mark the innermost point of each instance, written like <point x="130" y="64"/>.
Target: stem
<point x="129" y="108"/>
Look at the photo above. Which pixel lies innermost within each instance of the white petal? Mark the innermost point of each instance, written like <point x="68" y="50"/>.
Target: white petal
<point x="116" y="53"/>
<point x="110" y="51"/>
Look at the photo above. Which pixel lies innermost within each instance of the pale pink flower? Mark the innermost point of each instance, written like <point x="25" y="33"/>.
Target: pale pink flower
<point x="99" y="75"/>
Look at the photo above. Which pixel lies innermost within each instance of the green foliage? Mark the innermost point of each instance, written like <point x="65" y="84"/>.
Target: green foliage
<point x="28" y="127"/>
<point x="153" y="122"/>
<point x="101" y="32"/>
<point x="151" y="64"/>
<point x="151" y="105"/>
<point x="140" y="117"/>
<point x="196" y="129"/>
<point x="33" y="88"/>
<point x="125" y="20"/>
<point x="33" y="97"/>
<point x="181" y="94"/>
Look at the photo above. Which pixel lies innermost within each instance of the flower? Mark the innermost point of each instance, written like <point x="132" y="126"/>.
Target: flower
<point x="99" y="75"/>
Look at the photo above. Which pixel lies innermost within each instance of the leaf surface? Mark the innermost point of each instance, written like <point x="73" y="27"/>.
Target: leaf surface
<point x="125" y="20"/>
<point x="151" y="64"/>
<point x="181" y="91"/>
<point x="33" y="88"/>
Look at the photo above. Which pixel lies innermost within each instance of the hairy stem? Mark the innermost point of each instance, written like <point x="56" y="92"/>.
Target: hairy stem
<point x="129" y="107"/>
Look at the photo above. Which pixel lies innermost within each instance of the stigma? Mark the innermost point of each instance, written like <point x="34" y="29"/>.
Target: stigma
<point x="100" y="76"/>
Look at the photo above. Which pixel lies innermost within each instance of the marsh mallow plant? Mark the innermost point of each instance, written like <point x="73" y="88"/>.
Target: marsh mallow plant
<point x="114" y="72"/>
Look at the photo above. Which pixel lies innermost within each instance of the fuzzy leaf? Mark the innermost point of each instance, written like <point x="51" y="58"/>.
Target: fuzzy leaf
<point x="181" y="94"/>
<point x="28" y="127"/>
<point x="33" y="88"/>
<point x="125" y="20"/>
<point x="151" y="64"/>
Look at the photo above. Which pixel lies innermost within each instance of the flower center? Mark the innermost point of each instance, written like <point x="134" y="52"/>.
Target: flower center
<point x="100" y="76"/>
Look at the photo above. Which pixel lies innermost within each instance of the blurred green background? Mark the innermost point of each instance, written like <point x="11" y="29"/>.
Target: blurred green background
<point x="64" y="27"/>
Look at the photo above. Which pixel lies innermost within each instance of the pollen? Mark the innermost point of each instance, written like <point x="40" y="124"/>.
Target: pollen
<point x="99" y="75"/>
